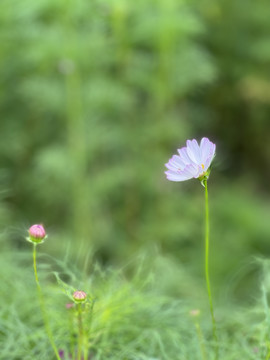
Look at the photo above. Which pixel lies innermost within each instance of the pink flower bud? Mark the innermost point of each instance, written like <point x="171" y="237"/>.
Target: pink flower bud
<point x="79" y="295"/>
<point x="37" y="234"/>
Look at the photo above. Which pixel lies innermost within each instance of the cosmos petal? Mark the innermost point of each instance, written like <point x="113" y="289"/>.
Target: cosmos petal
<point x="178" y="161"/>
<point x="193" y="151"/>
<point x="208" y="162"/>
<point x="207" y="149"/>
<point x="175" y="163"/>
<point x="192" y="170"/>
<point x="184" y="155"/>
<point x="173" y="176"/>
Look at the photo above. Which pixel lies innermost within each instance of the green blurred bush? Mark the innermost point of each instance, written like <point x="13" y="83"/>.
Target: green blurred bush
<point x="98" y="95"/>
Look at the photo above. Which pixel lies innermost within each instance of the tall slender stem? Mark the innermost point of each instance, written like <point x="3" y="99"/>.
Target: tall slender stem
<point x="207" y="268"/>
<point x="42" y="305"/>
<point x="81" y="344"/>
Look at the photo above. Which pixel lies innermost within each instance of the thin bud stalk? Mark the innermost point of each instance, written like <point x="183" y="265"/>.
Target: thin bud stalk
<point x="42" y="305"/>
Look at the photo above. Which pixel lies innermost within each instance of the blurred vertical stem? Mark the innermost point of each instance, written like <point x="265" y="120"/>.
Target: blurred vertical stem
<point x="71" y="332"/>
<point x="76" y="129"/>
<point x="201" y="340"/>
<point x="207" y="269"/>
<point x="42" y="304"/>
<point x="166" y="41"/>
<point x="119" y="27"/>
<point x="120" y="11"/>
<point x="77" y="153"/>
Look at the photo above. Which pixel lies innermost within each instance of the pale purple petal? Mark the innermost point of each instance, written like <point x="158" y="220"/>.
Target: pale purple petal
<point x="171" y="167"/>
<point x="192" y="170"/>
<point x="205" y="147"/>
<point x="175" y="163"/>
<point x="208" y="162"/>
<point x="193" y="151"/>
<point x="184" y="155"/>
<point x="174" y="176"/>
<point x="213" y="151"/>
<point x="207" y="150"/>
<point x="178" y="162"/>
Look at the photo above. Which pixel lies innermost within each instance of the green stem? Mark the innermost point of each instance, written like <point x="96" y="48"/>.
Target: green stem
<point x="207" y="268"/>
<point x="81" y="344"/>
<point x="42" y="305"/>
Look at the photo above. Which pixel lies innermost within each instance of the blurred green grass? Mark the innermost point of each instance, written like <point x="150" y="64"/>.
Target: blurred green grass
<point x="134" y="317"/>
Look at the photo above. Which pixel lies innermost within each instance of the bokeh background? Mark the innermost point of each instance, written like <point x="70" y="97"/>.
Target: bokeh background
<point x="97" y="96"/>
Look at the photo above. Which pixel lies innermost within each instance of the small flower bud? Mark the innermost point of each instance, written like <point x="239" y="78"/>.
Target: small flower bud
<point x="37" y="234"/>
<point x="79" y="296"/>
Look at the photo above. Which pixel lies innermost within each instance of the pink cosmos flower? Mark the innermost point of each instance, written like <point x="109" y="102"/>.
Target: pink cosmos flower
<point x="193" y="161"/>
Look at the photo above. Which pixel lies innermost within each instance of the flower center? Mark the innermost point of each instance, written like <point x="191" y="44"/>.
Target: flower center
<point x="203" y="166"/>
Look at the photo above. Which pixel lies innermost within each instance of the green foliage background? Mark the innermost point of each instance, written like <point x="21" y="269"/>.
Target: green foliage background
<point x="96" y="97"/>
